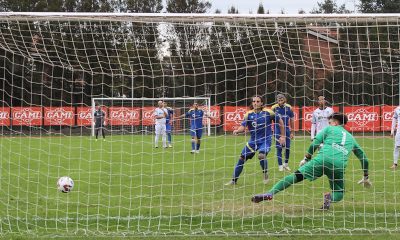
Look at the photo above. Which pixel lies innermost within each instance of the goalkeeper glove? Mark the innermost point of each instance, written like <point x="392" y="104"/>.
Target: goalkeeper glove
<point x="365" y="182"/>
<point x="304" y="161"/>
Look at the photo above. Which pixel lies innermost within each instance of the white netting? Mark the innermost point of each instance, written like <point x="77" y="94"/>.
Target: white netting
<point x="53" y="65"/>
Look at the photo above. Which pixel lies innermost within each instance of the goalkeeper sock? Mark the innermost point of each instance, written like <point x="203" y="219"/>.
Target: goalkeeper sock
<point x="287" y="154"/>
<point x="279" y="155"/>
<point x="284" y="183"/>
<point x="238" y="169"/>
<point x="396" y="154"/>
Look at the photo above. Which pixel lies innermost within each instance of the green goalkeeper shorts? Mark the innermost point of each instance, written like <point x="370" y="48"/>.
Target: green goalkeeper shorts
<point x="318" y="167"/>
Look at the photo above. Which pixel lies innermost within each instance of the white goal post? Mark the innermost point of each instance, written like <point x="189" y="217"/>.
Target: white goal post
<point x="187" y="102"/>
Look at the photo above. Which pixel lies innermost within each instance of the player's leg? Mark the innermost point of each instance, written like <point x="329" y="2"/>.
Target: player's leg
<point x="169" y="134"/>
<point x="287" y="154"/>
<point x="336" y="183"/>
<point x="96" y="132"/>
<point x="199" y="133"/>
<point x="157" y="129"/>
<point x="194" y="140"/>
<point x="103" y="133"/>
<point x="311" y="171"/>
<point x="279" y="186"/>
<point x="396" y="151"/>
<point x="263" y="150"/>
<point x="247" y="153"/>
<point x="164" y="135"/>
<point x="279" y="153"/>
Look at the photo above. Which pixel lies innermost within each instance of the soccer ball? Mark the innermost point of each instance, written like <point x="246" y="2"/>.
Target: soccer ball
<point x="65" y="184"/>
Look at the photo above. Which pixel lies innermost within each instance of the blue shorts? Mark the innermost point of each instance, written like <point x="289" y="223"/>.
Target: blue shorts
<point x="278" y="145"/>
<point x="168" y="128"/>
<point x="251" y="147"/>
<point x="196" y="133"/>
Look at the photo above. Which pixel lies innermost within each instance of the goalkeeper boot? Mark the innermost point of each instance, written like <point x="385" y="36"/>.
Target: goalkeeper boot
<point x="262" y="197"/>
<point x="280" y="168"/>
<point x="230" y="183"/>
<point x="286" y="167"/>
<point x="327" y="201"/>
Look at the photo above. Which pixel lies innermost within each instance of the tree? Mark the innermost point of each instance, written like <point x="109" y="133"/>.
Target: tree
<point x="379" y="6"/>
<point x="330" y="6"/>
<point x="188" y="6"/>
<point x="233" y="10"/>
<point x="260" y="9"/>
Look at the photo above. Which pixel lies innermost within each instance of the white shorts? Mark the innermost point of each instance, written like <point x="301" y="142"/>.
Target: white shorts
<point x="397" y="139"/>
<point x="160" y="129"/>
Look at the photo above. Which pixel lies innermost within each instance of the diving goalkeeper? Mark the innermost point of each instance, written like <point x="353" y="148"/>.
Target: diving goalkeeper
<point x="330" y="161"/>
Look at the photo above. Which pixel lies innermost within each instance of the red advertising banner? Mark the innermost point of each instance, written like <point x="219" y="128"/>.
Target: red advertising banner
<point x="307" y="116"/>
<point x="5" y="116"/>
<point x="124" y="115"/>
<point x="26" y="116"/>
<point x="148" y="116"/>
<point x="59" y="116"/>
<point x="215" y="115"/>
<point x="387" y="115"/>
<point x="233" y="117"/>
<point x="363" y="118"/>
<point x="296" y="112"/>
<point x="84" y="116"/>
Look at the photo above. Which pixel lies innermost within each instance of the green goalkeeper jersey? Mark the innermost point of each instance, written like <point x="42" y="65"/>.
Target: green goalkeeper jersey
<point x="337" y="145"/>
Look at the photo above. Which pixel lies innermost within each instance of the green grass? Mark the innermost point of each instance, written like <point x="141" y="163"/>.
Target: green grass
<point x="125" y="187"/>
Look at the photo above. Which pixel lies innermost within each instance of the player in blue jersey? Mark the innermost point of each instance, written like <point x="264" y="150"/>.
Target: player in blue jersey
<point x="195" y="116"/>
<point x="259" y="122"/>
<point x="285" y="112"/>
<point x="168" y="123"/>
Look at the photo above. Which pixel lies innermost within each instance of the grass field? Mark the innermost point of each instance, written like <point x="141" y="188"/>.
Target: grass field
<point x="125" y="187"/>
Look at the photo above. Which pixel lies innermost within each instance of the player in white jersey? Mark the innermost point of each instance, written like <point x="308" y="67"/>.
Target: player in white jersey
<point x="320" y="117"/>
<point x="395" y="131"/>
<point x="160" y="115"/>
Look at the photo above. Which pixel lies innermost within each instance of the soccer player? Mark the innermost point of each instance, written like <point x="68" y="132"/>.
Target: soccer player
<point x="196" y="126"/>
<point x="330" y="161"/>
<point x="160" y="114"/>
<point x="168" y="125"/>
<point x="320" y="117"/>
<point x="285" y="112"/>
<point x="395" y="132"/>
<point x="99" y="122"/>
<point x="259" y="122"/>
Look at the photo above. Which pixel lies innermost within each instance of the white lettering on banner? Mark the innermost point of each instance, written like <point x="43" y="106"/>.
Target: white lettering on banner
<point x="59" y="114"/>
<point x="27" y="115"/>
<point x="236" y="116"/>
<point x="4" y="115"/>
<point x="308" y="116"/>
<point x="124" y="115"/>
<point x="213" y="114"/>
<point x="387" y="116"/>
<point x="85" y="114"/>
<point x="361" y="117"/>
<point x="148" y="114"/>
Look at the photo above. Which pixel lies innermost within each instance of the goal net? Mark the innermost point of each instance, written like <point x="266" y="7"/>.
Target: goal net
<point x="55" y="68"/>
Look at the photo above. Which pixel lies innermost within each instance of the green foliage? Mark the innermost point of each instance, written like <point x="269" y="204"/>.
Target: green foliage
<point x="379" y="6"/>
<point x="330" y="6"/>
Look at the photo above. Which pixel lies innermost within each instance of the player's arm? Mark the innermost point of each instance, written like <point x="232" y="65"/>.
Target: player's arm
<point x="282" y="138"/>
<point x="394" y="121"/>
<point x="359" y="152"/>
<point x="314" y="145"/>
<point x="242" y="126"/>
<point x="291" y="124"/>
<point x="158" y="115"/>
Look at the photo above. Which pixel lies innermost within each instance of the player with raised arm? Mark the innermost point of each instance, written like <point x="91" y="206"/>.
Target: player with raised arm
<point x="394" y="132"/>
<point x="330" y="161"/>
<point x="285" y="112"/>
<point x="160" y="114"/>
<point x="258" y="121"/>
<point x="168" y="124"/>
<point x="99" y="118"/>
<point x="320" y="117"/>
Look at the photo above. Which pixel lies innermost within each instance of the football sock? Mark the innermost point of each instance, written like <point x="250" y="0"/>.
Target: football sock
<point x="279" y="155"/>
<point x="284" y="183"/>
<point x="264" y="165"/>
<point x="198" y="146"/>
<point x="238" y="169"/>
<point x="396" y="153"/>
<point x="169" y="138"/>
<point x="287" y="154"/>
<point x="193" y="145"/>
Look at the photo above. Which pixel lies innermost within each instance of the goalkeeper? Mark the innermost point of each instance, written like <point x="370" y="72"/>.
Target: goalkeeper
<point x="330" y="161"/>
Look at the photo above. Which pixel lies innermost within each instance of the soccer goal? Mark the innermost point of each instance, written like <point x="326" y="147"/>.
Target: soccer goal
<point x="56" y="67"/>
<point x="136" y="115"/>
